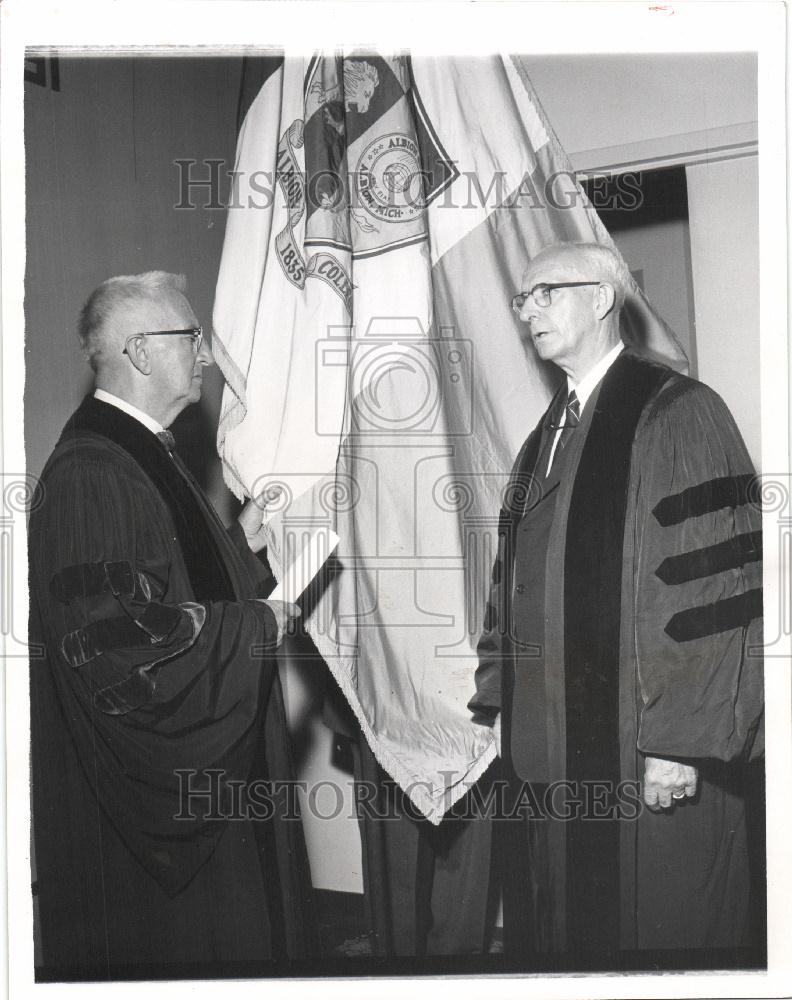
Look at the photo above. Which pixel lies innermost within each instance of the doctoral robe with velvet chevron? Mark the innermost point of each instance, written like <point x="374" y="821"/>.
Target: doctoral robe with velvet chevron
<point x="624" y="620"/>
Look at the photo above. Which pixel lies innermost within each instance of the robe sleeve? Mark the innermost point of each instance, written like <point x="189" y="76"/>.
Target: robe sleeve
<point x="494" y="648"/>
<point x="486" y="703"/>
<point x="128" y="629"/>
<point x="698" y="576"/>
<point x="257" y="564"/>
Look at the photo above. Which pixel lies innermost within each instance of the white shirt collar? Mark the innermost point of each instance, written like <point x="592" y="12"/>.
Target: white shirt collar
<point x="594" y="376"/>
<point x="133" y="411"/>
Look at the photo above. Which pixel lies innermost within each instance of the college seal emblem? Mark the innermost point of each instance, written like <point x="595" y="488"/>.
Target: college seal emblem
<point x="388" y="179"/>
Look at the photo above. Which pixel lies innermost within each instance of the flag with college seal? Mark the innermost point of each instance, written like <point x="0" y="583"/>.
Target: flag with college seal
<point x="377" y="381"/>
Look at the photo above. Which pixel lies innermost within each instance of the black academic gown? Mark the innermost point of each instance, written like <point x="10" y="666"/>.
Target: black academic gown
<point x="158" y="679"/>
<point x="624" y="620"/>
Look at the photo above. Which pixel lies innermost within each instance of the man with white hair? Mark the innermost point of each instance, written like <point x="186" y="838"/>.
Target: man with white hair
<point x="157" y="716"/>
<point x="620" y="660"/>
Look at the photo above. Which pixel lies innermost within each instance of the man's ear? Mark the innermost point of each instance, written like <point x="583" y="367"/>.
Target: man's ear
<point x="604" y="300"/>
<point x="138" y="351"/>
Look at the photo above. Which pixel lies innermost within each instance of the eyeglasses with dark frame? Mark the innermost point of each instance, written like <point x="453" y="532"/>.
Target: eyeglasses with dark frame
<point x="194" y="332"/>
<point x="541" y="293"/>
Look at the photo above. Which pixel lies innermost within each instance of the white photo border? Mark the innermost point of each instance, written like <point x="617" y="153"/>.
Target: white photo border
<point x="424" y="28"/>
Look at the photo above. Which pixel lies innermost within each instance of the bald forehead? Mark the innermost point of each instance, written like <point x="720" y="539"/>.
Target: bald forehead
<point x="168" y="304"/>
<point x="553" y="265"/>
<point x="157" y="309"/>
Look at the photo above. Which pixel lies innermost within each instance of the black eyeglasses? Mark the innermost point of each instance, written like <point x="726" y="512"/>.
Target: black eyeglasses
<point x="541" y="293"/>
<point x="194" y="332"/>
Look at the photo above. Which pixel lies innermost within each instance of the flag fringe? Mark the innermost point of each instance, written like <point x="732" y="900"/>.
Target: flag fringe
<point x="233" y="415"/>
<point x="413" y="786"/>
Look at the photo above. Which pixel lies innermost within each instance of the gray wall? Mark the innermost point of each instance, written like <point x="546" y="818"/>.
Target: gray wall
<point x="101" y="189"/>
<point x="724" y="246"/>
<point x="611" y="102"/>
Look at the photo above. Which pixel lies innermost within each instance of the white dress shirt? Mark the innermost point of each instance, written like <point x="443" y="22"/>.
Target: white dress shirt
<point x="584" y="388"/>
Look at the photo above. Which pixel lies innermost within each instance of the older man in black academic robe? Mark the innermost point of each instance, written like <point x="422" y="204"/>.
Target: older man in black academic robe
<point x="157" y="717"/>
<point x="621" y="651"/>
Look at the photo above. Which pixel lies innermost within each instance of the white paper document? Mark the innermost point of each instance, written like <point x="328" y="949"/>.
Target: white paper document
<point x="306" y="564"/>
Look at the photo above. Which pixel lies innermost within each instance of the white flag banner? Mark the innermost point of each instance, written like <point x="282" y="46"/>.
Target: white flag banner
<point x="378" y="384"/>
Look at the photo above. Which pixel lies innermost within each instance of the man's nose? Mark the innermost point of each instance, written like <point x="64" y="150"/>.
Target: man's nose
<point x="530" y="310"/>
<point x="205" y="356"/>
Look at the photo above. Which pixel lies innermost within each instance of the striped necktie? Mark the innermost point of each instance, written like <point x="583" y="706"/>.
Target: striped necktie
<point x="571" y="420"/>
<point x="167" y="440"/>
<point x="572" y="410"/>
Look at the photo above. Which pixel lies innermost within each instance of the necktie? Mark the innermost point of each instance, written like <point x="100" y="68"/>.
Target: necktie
<point x="572" y="419"/>
<point x="167" y="440"/>
<point x="572" y="410"/>
<point x="169" y="444"/>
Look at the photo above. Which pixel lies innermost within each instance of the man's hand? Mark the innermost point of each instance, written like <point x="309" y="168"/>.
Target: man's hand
<point x="667" y="782"/>
<point x="285" y="615"/>
<point x="250" y="520"/>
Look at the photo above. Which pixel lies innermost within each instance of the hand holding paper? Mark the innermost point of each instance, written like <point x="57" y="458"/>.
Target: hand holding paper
<point x="285" y="616"/>
<point x="307" y="562"/>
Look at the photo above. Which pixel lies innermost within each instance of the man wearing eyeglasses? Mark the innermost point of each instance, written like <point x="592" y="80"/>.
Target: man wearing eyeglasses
<point x="157" y="715"/>
<point x="620" y="659"/>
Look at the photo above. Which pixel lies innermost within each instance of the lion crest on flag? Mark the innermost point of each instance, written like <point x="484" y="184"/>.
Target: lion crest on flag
<point x="360" y="81"/>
